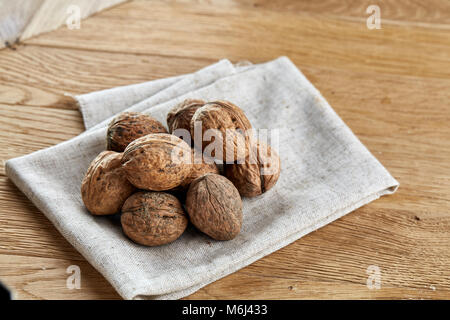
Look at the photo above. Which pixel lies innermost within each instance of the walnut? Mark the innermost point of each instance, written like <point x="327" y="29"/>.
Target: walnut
<point x="128" y="126"/>
<point x="180" y="116"/>
<point x="153" y="218"/>
<point x="105" y="187"/>
<point x="258" y="173"/>
<point x="200" y="167"/>
<point x="157" y="161"/>
<point x="233" y="127"/>
<point x="215" y="207"/>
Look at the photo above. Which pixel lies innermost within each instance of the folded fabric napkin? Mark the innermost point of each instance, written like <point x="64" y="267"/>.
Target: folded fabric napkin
<point x="326" y="173"/>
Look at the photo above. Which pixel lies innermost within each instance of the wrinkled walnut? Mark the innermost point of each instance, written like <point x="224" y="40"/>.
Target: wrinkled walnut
<point x="180" y="116"/>
<point x="157" y="162"/>
<point x="215" y="207"/>
<point x="258" y="173"/>
<point x="128" y="126"/>
<point x="233" y="127"/>
<point x="153" y="218"/>
<point x="105" y="187"/>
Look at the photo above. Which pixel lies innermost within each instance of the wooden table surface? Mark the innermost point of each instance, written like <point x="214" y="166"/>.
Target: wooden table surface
<point x="390" y="85"/>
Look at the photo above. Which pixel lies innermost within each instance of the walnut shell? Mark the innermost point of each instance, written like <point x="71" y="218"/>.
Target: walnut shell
<point x="231" y="123"/>
<point x="214" y="206"/>
<point x="128" y="126"/>
<point x="200" y="167"/>
<point x="180" y="116"/>
<point x="105" y="187"/>
<point x="157" y="161"/>
<point x="153" y="218"/>
<point x="258" y="173"/>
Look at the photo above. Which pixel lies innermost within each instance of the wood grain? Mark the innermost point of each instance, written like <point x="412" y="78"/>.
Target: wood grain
<point x="392" y="11"/>
<point x="41" y="77"/>
<point x="237" y="33"/>
<point x="390" y="86"/>
<point x="44" y="278"/>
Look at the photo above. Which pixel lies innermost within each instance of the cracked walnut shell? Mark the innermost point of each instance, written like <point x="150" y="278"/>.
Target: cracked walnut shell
<point x="105" y="187"/>
<point x="157" y="161"/>
<point x="231" y="130"/>
<point x="258" y="173"/>
<point x="153" y="218"/>
<point x="128" y="126"/>
<point x="214" y="206"/>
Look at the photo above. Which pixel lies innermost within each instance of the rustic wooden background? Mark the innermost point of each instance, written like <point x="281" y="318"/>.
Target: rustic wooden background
<point x="391" y="86"/>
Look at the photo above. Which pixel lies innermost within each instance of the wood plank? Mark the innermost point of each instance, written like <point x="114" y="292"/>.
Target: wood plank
<point x="43" y="278"/>
<point x="247" y="286"/>
<point x="35" y="128"/>
<point x="434" y="12"/>
<point x="40" y="77"/>
<point x="201" y="30"/>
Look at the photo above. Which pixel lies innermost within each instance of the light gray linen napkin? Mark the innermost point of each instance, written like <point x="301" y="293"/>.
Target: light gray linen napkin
<point x="326" y="173"/>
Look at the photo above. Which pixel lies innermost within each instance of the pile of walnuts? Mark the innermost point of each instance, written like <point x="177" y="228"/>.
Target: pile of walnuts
<point x="153" y="177"/>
